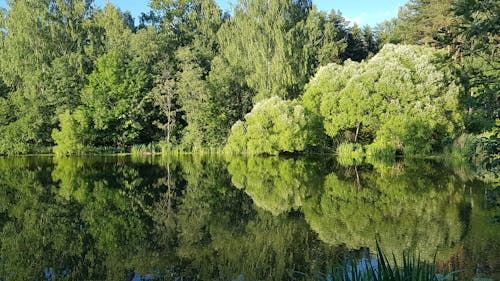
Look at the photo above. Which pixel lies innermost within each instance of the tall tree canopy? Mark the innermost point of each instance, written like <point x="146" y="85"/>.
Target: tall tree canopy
<point x="43" y="61"/>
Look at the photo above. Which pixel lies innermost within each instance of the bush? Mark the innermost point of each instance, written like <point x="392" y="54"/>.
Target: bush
<point x="349" y="154"/>
<point x="273" y="126"/>
<point x="150" y="148"/>
<point x="408" y="134"/>
<point x="463" y="146"/>
<point x="377" y="150"/>
<point x="69" y="138"/>
<point x="237" y="140"/>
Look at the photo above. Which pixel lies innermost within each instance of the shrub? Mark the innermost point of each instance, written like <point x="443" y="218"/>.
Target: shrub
<point x="273" y="126"/>
<point x="69" y="138"/>
<point x="377" y="150"/>
<point x="349" y="154"/>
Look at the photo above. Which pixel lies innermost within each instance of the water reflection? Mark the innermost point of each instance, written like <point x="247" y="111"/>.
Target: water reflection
<point x="206" y="218"/>
<point x="406" y="212"/>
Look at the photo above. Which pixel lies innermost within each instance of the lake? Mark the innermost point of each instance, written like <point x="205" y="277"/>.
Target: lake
<point x="193" y="217"/>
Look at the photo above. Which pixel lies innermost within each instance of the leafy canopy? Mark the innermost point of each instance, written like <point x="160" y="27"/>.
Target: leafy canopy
<point x="400" y="97"/>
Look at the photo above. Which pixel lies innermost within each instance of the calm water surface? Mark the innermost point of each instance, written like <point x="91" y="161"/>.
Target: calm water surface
<point x="209" y="218"/>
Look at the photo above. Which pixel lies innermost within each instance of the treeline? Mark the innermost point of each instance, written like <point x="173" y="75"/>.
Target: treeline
<point x="78" y="77"/>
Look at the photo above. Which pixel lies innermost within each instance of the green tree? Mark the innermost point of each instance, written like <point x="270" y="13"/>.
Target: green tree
<point x="273" y="126"/>
<point x="231" y="98"/>
<point x="333" y="35"/>
<point x="194" y="98"/>
<point x="419" y="22"/>
<point x="199" y="105"/>
<point x="258" y="39"/>
<point x="164" y="97"/>
<point x="113" y="96"/>
<point x="401" y="83"/>
<point x="43" y="60"/>
<point x="370" y="41"/>
<point x="473" y="41"/>
<point x="356" y="49"/>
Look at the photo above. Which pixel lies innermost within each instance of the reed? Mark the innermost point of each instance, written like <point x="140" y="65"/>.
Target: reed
<point x="387" y="269"/>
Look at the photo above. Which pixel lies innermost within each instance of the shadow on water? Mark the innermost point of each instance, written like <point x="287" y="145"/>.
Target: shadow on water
<point x="242" y="218"/>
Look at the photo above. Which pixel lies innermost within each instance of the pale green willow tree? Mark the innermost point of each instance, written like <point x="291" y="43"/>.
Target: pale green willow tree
<point x="273" y="126"/>
<point x="398" y="94"/>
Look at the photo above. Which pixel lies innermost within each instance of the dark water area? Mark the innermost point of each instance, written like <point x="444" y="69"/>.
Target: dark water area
<point x="235" y="218"/>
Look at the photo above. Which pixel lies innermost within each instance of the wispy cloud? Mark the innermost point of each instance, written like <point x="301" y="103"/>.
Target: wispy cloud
<point x="359" y="19"/>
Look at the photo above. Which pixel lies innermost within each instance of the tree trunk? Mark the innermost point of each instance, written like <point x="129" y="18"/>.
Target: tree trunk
<point x="357" y="132"/>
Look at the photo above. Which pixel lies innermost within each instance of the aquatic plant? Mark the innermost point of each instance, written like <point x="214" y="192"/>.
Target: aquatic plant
<point x="412" y="269"/>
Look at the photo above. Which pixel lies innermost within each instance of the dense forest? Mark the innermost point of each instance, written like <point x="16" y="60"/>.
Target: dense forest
<point x="268" y="77"/>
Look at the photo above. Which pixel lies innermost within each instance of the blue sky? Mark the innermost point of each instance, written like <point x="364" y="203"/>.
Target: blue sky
<point x="362" y="11"/>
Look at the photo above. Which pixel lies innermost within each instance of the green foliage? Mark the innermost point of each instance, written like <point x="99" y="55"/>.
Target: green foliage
<point x="164" y="97"/>
<point x="399" y="98"/>
<point x="231" y="98"/>
<point x="194" y="97"/>
<point x="237" y="141"/>
<point x="473" y="40"/>
<point x="409" y="214"/>
<point x="273" y="126"/>
<point x="481" y="152"/>
<point x="380" y="150"/>
<point x="462" y="146"/>
<point x="42" y="61"/>
<point x="349" y="154"/>
<point x="263" y="47"/>
<point x="410" y="134"/>
<point x="188" y="72"/>
<point x="419" y="22"/>
<point x="16" y="135"/>
<point x="328" y="79"/>
<point x="69" y="139"/>
<point x="113" y="97"/>
<point x="468" y="30"/>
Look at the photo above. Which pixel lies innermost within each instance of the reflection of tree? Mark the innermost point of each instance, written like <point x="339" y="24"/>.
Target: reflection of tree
<point x="409" y="211"/>
<point x="108" y="218"/>
<point x="221" y="244"/>
<point x="223" y="236"/>
<point x="481" y="253"/>
<point x="37" y="225"/>
<point x="164" y="209"/>
<point x="275" y="184"/>
<point x="91" y="221"/>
